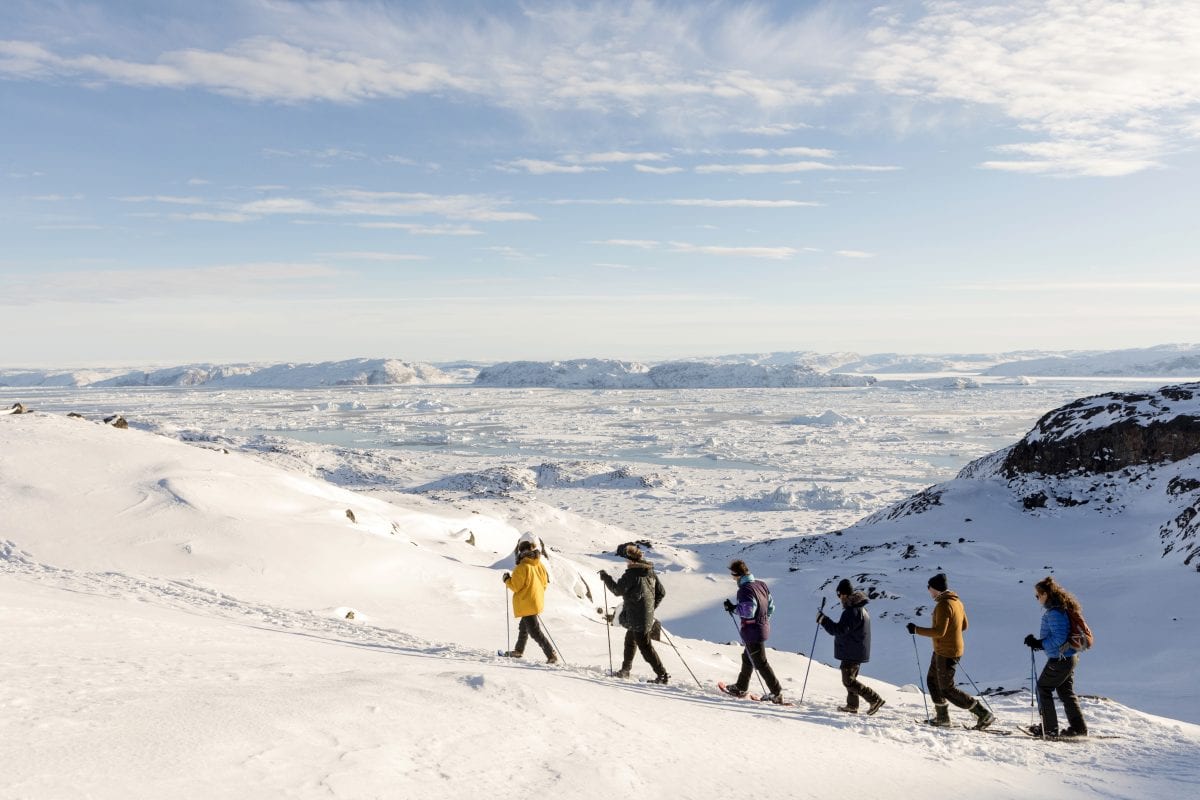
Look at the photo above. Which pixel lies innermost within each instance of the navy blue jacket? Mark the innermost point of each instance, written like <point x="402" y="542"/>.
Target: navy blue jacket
<point x="754" y="607"/>
<point x="852" y="632"/>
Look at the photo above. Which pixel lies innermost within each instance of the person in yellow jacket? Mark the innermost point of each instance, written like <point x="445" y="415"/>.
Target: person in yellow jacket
<point x="528" y="583"/>
<point x="949" y="622"/>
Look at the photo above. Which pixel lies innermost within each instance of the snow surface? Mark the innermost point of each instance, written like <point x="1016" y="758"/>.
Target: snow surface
<point x="179" y="609"/>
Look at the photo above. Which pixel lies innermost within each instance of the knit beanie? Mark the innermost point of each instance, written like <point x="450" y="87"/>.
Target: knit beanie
<point x="844" y="587"/>
<point x="939" y="582"/>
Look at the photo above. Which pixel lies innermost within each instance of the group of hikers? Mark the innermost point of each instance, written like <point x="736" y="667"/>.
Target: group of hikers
<point x="753" y="607"/>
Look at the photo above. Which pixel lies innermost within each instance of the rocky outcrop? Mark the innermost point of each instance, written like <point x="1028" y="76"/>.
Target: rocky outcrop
<point x="1111" y="431"/>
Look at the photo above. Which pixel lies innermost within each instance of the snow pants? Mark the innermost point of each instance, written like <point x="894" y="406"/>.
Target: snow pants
<point x="640" y="640"/>
<point x="755" y="657"/>
<point x="529" y="628"/>
<point x="1059" y="675"/>
<point x="941" y="683"/>
<point x="854" y="688"/>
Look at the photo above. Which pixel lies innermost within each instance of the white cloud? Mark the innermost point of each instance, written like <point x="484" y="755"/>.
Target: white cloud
<point x="537" y="167"/>
<point x="649" y="170"/>
<point x="789" y="167"/>
<point x="777" y="253"/>
<point x="1104" y="88"/>
<point x="368" y="255"/>
<point x="422" y="230"/>
<point x="110" y="285"/>
<point x="618" y="157"/>
<point x="164" y="198"/>
<point x="641" y="244"/>
<point x="363" y="203"/>
<point x="853" y="254"/>
<point x="801" y="152"/>
<point x="215" y="216"/>
<point x="693" y="202"/>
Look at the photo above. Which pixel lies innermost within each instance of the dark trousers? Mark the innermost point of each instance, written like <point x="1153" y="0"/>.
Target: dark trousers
<point x="531" y="629"/>
<point x="640" y="640"/>
<point x="941" y="683"/>
<point x="1059" y="675"/>
<point x="855" y="689"/>
<point x="754" y="657"/>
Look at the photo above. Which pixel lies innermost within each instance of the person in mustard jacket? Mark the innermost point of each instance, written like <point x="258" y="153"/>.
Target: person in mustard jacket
<point x="949" y="622"/>
<point x="528" y="583"/>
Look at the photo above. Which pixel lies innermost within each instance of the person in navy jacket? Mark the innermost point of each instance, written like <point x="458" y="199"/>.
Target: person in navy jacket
<point x="852" y="646"/>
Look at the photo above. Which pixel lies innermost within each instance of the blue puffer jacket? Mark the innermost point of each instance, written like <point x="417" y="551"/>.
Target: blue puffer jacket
<point x="755" y="607"/>
<point x="1056" y="629"/>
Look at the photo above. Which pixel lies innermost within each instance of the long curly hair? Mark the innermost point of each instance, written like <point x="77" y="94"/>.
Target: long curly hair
<point x="1056" y="595"/>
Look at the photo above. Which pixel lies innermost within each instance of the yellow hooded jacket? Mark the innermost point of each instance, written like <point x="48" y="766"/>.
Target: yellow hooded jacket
<point x="949" y="622"/>
<point x="528" y="585"/>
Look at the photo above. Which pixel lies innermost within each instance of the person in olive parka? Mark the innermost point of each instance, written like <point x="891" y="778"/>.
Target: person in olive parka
<point x="642" y="592"/>
<point x="852" y="646"/>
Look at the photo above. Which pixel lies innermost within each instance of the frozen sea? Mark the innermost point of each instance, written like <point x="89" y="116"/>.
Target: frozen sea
<point x="716" y="464"/>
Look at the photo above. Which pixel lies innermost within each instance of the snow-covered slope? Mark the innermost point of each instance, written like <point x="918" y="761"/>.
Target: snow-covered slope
<point x="175" y="620"/>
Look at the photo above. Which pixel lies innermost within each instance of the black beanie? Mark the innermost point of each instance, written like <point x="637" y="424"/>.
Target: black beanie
<point x="844" y="587"/>
<point x="939" y="582"/>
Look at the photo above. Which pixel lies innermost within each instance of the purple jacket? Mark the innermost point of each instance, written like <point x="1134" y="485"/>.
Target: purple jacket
<point x="755" y="607"/>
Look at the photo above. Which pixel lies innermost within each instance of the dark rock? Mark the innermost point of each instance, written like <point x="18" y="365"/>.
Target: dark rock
<point x="117" y="421"/>
<point x="350" y="515"/>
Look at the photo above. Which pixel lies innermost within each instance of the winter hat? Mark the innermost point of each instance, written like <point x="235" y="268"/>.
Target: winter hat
<point x="939" y="582"/>
<point x="844" y="587"/>
<point x="633" y="552"/>
<point x="738" y="568"/>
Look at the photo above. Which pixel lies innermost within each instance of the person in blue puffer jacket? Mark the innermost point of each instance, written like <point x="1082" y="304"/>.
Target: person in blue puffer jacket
<point x="753" y="609"/>
<point x="1059" y="672"/>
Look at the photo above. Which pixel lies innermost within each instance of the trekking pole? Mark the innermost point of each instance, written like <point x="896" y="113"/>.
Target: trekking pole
<point x="1035" y="700"/>
<point x="976" y="688"/>
<point x="920" y="677"/>
<point x="608" y="628"/>
<point x="550" y="636"/>
<point x="685" y="664"/>
<point x="746" y="650"/>
<point x="812" y="650"/>
<point x="507" y="625"/>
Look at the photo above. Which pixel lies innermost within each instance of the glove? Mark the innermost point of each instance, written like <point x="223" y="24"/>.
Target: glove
<point x="604" y="574"/>
<point x="1033" y="642"/>
<point x="820" y="617"/>
<point x="729" y="607"/>
<point x="911" y="627"/>
<point x="506" y="577"/>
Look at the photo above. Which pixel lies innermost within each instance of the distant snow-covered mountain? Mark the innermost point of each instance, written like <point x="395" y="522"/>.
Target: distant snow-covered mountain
<point x="612" y="374"/>
<point x="1165" y="360"/>
<point x="352" y="372"/>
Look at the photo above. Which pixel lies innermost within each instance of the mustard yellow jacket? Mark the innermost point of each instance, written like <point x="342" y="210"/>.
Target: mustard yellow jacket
<point x="528" y="585"/>
<point x="949" y="622"/>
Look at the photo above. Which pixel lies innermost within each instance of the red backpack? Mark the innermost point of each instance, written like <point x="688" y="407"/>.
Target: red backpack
<point x="1080" y="637"/>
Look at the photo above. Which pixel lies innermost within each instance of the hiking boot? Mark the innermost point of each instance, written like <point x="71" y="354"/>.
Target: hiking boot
<point x="983" y="717"/>
<point x="1036" y="730"/>
<point x="773" y="697"/>
<point x="623" y="672"/>
<point x="1074" y="733"/>
<point x="735" y="691"/>
<point x="848" y="709"/>
<point x="664" y="678"/>
<point x="552" y="658"/>
<point x="875" y="706"/>
<point x="512" y="654"/>
<point x="942" y="716"/>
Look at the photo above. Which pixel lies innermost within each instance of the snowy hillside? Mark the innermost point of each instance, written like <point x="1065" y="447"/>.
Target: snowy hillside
<point x="177" y="623"/>
<point x="610" y="374"/>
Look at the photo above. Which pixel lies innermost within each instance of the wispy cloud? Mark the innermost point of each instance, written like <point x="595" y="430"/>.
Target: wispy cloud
<point x="641" y="244"/>
<point x="110" y="285"/>
<point x="853" y="254"/>
<point x="164" y="198"/>
<point x="788" y="167"/>
<point x="798" y="152"/>
<point x="693" y="202"/>
<point x="776" y="253"/>
<point x="649" y="170"/>
<point x="618" y="157"/>
<point x="535" y="166"/>
<point x="369" y="255"/>
<point x="1101" y="89"/>
<point x="422" y="230"/>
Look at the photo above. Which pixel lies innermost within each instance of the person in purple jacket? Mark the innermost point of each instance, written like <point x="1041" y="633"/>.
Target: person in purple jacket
<point x="754" y="608"/>
<point x="1059" y="673"/>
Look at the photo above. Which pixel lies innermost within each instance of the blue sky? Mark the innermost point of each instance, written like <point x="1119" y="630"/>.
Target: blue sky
<point x="269" y="180"/>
